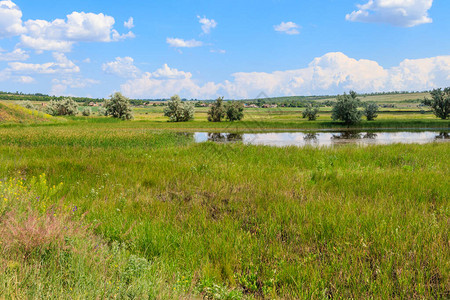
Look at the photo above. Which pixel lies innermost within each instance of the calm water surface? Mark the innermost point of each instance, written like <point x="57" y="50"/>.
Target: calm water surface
<point x="326" y="138"/>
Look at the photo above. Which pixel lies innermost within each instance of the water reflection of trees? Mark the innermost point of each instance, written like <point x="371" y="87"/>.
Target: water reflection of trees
<point x="354" y="135"/>
<point x="347" y="135"/>
<point x="370" y="135"/>
<point x="224" y="137"/>
<point x="443" y="136"/>
<point x="310" y="137"/>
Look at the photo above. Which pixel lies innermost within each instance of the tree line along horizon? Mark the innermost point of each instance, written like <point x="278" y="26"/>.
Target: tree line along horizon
<point x="347" y="108"/>
<point x="284" y="101"/>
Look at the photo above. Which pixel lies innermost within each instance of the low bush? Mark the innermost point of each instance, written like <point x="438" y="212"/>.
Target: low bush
<point x="64" y="107"/>
<point x="119" y="107"/>
<point x="179" y="111"/>
<point x="439" y="103"/>
<point x="217" y="111"/>
<point x="346" y="109"/>
<point x="86" y="112"/>
<point x="370" y="111"/>
<point x="311" y="112"/>
<point x="234" y="111"/>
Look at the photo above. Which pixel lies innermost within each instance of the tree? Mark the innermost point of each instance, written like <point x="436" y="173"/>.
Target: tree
<point x="118" y="107"/>
<point x="64" y="107"/>
<point x="234" y="111"/>
<point x="370" y="111"/>
<point x="346" y="109"/>
<point x="311" y="112"/>
<point x="179" y="111"/>
<point x="260" y="102"/>
<point x="217" y="111"/>
<point x="440" y="103"/>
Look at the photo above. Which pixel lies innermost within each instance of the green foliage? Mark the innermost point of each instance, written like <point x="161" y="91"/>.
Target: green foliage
<point x="234" y="110"/>
<point x="440" y="103"/>
<point x="86" y="112"/>
<point x="346" y="109"/>
<point x="311" y="112"/>
<point x="64" y="107"/>
<point x="370" y="110"/>
<point x="217" y="111"/>
<point x="135" y="267"/>
<point x="119" y="107"/>
<point x="27" y="104"/>
<point x="101" y="112"/>
<point x="179" y="111"/>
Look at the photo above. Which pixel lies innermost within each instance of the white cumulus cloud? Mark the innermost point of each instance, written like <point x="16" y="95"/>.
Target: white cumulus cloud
<point x="61" y="65"/>
<point x="129" y="24"/>
<point x="166" y="82"/>
<point x="180" y="43"/>
<point x="122" y="67"/>
<point x="207" y="24"/>
<point x="332" y="73"/>
<point x="287" y="28"/>
<point x="60" y="85"/>
<point x="10" y="19"/>
<point x="15" y="55"/>
<point x="402" y="13"/>
<point x="25" y="79"/>
<point x="59" y="34"/>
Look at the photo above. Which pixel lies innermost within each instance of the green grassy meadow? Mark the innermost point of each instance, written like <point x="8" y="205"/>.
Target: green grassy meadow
<point x="98" y="208"/>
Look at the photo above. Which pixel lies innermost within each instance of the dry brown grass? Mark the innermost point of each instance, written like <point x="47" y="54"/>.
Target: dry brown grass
<point x="30" y="233"/>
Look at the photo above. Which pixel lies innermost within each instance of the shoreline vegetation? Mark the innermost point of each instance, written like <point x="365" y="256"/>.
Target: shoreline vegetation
<point x="95" y="207"/>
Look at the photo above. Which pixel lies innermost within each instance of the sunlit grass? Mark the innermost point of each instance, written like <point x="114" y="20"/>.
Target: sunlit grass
<point x="239" y="220"/>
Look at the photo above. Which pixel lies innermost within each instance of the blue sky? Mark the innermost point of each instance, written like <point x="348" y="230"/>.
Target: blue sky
<point x="236" y="49"/>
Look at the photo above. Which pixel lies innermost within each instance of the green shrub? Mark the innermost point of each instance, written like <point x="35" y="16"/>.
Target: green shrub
<point x="234" y="111"/>
<point x="64" y="107"/>
<point x="86" y="112"/>
<point x="311" y="112"/>
<point x="179" y="111"/>
<point x="346" y="109"/>
<point x="27" y="104"/>
<point x="119" y="107"/>
<point x="101" y="111"/>
<point x="217" y="111"/>
<point x="370" y="111"/>
<point x="440" y="103"/>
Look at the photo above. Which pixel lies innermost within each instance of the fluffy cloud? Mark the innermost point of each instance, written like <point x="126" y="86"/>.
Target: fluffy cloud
<point x="207" y="24"/>
<point x="17" y="54"/>
<point x="180" y="43"/>
<point x="122" y="67"/>
<point x="220" y="51"/>
<point x="129" y="24"/>
<point x="10" y="19"/>
<point x="59" y="34"/>
<point x="403" y="13"/>
<point x="61" y="65"/>
<point x="166" y="82"/>
<point x="25" y="79"/>
<point x="332" y="73"/>
<point x="60" y="86"/>
<point x="287" y="28"/>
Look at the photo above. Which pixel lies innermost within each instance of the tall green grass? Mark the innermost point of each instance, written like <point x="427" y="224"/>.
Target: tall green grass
<point x="240" y="221"/>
